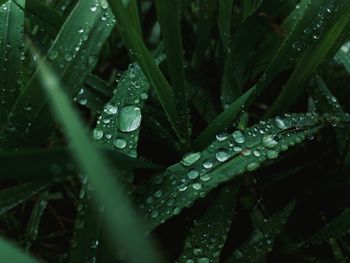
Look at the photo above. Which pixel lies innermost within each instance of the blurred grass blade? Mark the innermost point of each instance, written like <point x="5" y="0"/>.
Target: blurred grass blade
<point x="263" y="238"/>
<point x="225" y="159"/>
<point x="73" y="55"/>
<point x="12" y="54"/>
<point x="10" y="253"/>
<point x="16" y="195"/>
<point x="307" y="64"/>
<point x="210" y="230"/>
<point x="225" y="20"/>
<point x="118" y="128"/>
<point x="168" y="13"/>
<point x="343" y="56"/>
<point x="122" y="222"/>
<point x="139" y="51"/>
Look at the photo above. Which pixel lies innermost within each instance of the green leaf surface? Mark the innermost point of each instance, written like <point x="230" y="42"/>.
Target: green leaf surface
<point x="210" y="230"/>
<point x="12" y="50"/>
<point x="72" y="55"/>
<point x="10" y="253"/>
<point x="226" y="158"/>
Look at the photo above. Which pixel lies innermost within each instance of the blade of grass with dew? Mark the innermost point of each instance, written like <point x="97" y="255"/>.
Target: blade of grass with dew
<point x="225" y="159"/>
<point x="12" y="50"/>
<point x="300" y="39"/>
<point x="117" y="128"/>
<point x="262" y="240"/>
<point x="16" y="195"/>
<point x="249" y="7"/>
<point x="10" y="253"/>
<point x="149" y="67"/>
<point x="35" y="219"/>
<point x="121" y="219"/>
<point x="210" y="231"/>
<point x="73" y="55"/>
<point x="168" y="14"/>
<point x="55" y="164"/>
<point x="306" y="66"/>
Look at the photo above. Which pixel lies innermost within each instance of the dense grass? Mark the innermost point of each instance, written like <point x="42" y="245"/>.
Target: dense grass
<point x="192" y="131"/>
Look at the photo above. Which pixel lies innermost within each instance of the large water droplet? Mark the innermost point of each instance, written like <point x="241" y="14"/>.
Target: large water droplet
<point x="269" y="141"/>
<point x="221" y="156"/>
<point x="97" y="134"/>
<point x="110" y="109"/>
<point x="208" y="164"/>
<point x="193" y="174"/>
<point x="119" y="143"/>
<point x="129" y="118"/>
<point x="191" y="158"/>
<point x="282" y="124"/>
<point x="238" y="137"/>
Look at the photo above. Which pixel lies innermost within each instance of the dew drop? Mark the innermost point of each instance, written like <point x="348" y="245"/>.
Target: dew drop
<point x="197" y="186"/>
<point x="252" y="166"/>
<point x="129" y="118"/>
<point x="97" y="134"/>
<point x="192" y="174"/>
<point x="272" y="154"/>
<point x="208" y="164"/>
<point x="269" y="141"/>
<point x="191" y="158"/>
<point x="110" y="109"/>
<point x="238" y="137"/>
<point x="119" y="143"/>
<point x="281" y="124"/>
<point x="221" y="156"/>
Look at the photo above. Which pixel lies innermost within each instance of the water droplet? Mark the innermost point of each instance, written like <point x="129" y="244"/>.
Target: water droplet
<point x="205" y="177"/>
<point x="144" y="96"/>
<point x="192" y="174"/>
<point x="119" y="143"/>
<point x="221" y="156"/>
<point x="282" y="124"/>
<point x="257" y="153"/>
<point x="104" y="4"/>
<point x="129" y="118"/>
<point x="197" y="186"/>
<point x="269" y="141"/>
<point x="110" y="109"/>
<point x="154" y="213"/>
<point x="238" y="137"/>
<point x="191" y="158"/>
<point x="272" y="154"/>
<point x="221" y="137"/>
<point x="94" y="243"/>
<point x="158" y="193"/>
<point x="93" y="8"/>
<point x="97" y="134"/>
<point x="252" y="166"/>
<point x="208" y="164"/>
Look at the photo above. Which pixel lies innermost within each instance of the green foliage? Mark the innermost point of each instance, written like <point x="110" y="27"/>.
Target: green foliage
<point x="158" y="131"/>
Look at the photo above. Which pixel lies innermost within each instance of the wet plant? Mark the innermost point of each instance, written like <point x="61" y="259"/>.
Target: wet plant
<point x="191" y="131"/>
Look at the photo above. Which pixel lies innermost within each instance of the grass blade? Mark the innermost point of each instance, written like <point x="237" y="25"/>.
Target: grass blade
<point x="122" y="221"/>
<point x="168" y="12"/>
<point x="149" y="67"/>
<point x="10" y="253"/>
<point x="210" y="231"/>
<point x="225" y="159"/>
<point x="12" y="50"/>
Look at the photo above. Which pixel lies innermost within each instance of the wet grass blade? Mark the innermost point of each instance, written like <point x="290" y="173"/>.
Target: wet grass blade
<point x="10" y="253"/>
<point x="263" y="238"/>
<point x="225" y="159"/>
<point x="299" y="40"/>
<point x="307" y="64"/>
<point x="73" y="55"/>
<point x="35" y="219"/>
<point x="16" y="195"/>
<point x="208" y="235"/>
<point x="134" y="16"/>
<point x="12" y="55"/>
<point x="168" y="13"/>
<point x="122" y="222"/>
<point x="143" y="57"/>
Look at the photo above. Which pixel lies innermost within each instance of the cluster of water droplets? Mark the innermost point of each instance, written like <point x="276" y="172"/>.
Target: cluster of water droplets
<point x="199" y="172"/>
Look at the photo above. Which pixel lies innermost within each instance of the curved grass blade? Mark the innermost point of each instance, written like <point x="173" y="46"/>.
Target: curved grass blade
<point x="16" y="195"/>
<point x="208" y="236"/>
<point x="35" y="219"/>
<point x="168" y="13"/>
<point x="225" y="159"/>
<point x="56" y="164"/>
<point x="262" y="240"/>
<point x="72" y="55"/>
<point x="139" y="51"/>
<point x="12" y="54"/>
<point x="122" y="222"/>
<point x="306" y="66"/>
<point x="10" y="253"/>
<point x="300" y="39"/>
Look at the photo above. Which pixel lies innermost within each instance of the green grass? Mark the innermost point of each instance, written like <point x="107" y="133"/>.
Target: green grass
<point x="174" y="131"/>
